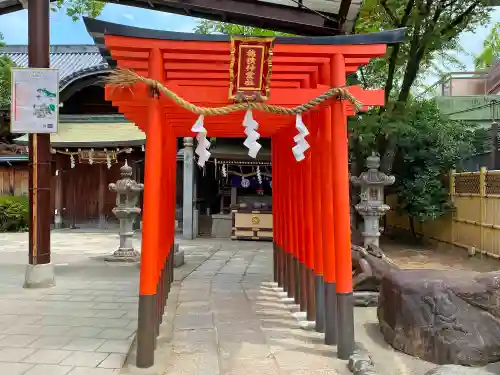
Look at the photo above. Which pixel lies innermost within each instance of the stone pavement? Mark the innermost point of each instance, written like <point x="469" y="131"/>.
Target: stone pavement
<point x="84" y="325"/>
<point x="227" y="320"/>
<point x="222" y="315"/>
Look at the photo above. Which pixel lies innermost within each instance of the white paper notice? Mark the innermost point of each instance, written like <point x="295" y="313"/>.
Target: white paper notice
<point x="35" y="100"/>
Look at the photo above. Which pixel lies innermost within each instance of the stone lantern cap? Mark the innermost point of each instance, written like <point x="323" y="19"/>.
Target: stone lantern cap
<point x="126" y="185"/>
<point x="373" y="177"/>
<point x="126" y="170"/>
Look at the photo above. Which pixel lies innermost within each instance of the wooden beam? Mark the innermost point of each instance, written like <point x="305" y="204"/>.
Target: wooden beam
<point x="249" y="13"/>
<point x="213" y="48"/>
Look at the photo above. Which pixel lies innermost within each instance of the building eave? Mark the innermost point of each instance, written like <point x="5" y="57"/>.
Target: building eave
<point x="98" y="29"/>
<point x="93" y="134"/>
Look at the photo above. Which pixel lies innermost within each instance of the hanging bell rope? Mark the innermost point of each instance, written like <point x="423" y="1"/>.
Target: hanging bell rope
<point x="126" y="78"/>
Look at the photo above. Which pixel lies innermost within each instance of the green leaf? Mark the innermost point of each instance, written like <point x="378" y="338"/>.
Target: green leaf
<point x="79" y="8"/>
<point x="491" y="49"/>
<point x="428" y="145"/>
<point x="215" y="27"/>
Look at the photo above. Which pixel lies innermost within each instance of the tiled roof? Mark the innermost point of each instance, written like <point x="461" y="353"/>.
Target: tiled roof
<point x="68" y="59"/>
<point x="105" y="134"/>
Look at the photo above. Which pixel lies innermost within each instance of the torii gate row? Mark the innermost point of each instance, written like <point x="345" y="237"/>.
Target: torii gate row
<point x="312" y="249"/>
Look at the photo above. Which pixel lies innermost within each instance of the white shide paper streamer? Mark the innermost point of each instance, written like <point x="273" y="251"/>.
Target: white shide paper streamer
<point x="301" y="144"/>
<point x="203" y="143"/>
<point x="251" y="127"/>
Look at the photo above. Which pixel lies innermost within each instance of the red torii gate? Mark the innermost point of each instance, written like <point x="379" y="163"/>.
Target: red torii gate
<point x="312" y="237"/>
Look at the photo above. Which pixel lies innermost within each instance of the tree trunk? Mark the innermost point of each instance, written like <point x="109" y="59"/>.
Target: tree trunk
<point x="412" y="227"/>
<point x="389" y="83"/>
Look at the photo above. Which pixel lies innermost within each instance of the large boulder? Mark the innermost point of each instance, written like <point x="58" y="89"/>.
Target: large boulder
<point x="445" y="317"/>
<point x="369" y="267"/>
<point x="459" y="370"/>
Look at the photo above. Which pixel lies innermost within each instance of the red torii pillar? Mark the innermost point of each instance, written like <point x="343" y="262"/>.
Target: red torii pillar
<point x="326" y="250"/>
<point x="316" y="185"/>
<point x="341" y="216"/>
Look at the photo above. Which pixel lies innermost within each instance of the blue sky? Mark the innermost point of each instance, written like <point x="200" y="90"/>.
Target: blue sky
<point x="63" y="30"/>
<point x="14" y="26"/>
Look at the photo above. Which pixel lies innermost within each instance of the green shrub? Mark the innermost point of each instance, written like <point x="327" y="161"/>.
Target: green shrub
<point x="14" y="213"/>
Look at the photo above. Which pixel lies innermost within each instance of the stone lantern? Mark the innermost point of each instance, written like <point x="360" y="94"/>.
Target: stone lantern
<point x="372" y="206"/>
<point x="127" y="195"/>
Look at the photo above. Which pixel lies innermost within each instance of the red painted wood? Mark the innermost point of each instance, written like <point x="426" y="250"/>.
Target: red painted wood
<point x="201" y="47"/>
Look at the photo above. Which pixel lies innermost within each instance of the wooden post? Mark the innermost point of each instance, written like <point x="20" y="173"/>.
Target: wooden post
<point x="482" y="201"/>
<point x="316" y="193"/>
<point x="494" y="152"/>
<point x="167" y="206"/>
<point x="274" y="197"/>
<point x="292" y="230"/>
<point x="73" y="201"/>
<point x="172" y="139"/>
<point x="296" y="219"/>
<point x="283" y="210"/>
<point x="12" y="181"/>
<point x="58" y="201"/>
<point x="342" y="227"/>
<point x="451" y="189"/>
<point x="277" y="188"/>
<point x="301" y="197"/>
<point x="102" y="195"/>
<point x="327" y="206"/>
<point x="309" y="243"/>
<point x="152" y="230"/>
<point x="39" y="271"/>
<point x="189" y="190"/>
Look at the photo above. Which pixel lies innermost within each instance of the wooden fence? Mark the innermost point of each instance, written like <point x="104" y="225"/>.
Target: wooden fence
<point x="475" y="223"/>
<point x="14" y="181"/>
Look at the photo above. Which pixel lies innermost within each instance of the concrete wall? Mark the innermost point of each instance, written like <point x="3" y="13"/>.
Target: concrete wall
<point x="467" y="86"/>
<point x="481" y="109"/>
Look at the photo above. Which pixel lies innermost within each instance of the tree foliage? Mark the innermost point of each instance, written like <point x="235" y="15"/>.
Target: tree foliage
<point x="5" y="81"/>
<point x="433" y="27"/>
<point x="78" y="8"/>
<point x="215" y="27"/>
<point x="491" y="49"/>
<point x="429" y="144"/>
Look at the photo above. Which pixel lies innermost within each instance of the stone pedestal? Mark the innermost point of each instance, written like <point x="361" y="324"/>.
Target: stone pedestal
<point x="58" y="220"/>
<point x="39" y="276"/>
<point x="126" y="210"/>
<point x="196" y="221"/>
<point x="178" y="256"/>
<point x="222" y="226"/>
<point x="188" y="224"/>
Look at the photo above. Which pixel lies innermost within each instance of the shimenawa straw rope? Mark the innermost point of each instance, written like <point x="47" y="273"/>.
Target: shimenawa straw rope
<point x="125" y="78"/>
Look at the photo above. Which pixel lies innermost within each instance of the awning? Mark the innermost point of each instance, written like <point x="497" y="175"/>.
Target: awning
<point x="98" y="135"/>
<point x="13" y="158"/>
<point x="237" y="152"/>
